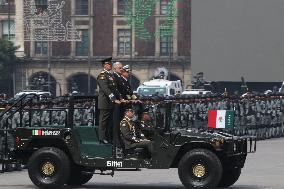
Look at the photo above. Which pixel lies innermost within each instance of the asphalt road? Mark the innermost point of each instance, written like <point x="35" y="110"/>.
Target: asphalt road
<point x="264" y="169"/>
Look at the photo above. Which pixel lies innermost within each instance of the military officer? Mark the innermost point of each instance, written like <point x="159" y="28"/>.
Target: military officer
<point x="108" y="96"/>
<point x="127" y="92"/>
<point x="132" y="138"/>
<point x="144" y="123"/>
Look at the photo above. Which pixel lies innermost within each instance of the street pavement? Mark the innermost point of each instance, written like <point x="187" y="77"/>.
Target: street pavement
<point x="263" y="170"/>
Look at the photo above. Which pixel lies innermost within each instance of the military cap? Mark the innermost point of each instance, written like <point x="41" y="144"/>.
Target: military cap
<point x="106" y="61"/>
<point x="145" y="111"/>
<point x="142" y="111"/>
<point x="126" y="68"/>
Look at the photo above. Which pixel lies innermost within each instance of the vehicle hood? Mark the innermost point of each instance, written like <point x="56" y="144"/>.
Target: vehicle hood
<point x="205" y="134"/>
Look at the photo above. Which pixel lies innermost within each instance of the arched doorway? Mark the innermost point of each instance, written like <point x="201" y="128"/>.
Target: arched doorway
<point x="134" y="82"/>
<point x="78" y="83"/>
<point x="39" y="81"/>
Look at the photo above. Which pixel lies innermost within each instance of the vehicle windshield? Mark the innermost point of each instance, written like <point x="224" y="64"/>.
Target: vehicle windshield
<point x="147" y="91"/>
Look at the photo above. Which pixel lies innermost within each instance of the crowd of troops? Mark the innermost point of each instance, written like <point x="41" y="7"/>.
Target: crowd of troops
<point x="258" y="115"/>
<point x="48" y="114"/>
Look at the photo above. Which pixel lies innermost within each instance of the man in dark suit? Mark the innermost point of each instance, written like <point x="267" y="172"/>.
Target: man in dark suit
<point x="117" y="69"/>
<point x="108" y="96"/>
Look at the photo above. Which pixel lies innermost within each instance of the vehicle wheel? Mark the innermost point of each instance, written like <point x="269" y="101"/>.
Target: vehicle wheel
<point x="200" y="168"/>
<point x="49" y="168"/>
<point x="78" y="177"/>
<point x="229" y="177"/>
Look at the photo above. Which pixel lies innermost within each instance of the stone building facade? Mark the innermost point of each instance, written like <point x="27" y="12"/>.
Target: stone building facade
<point x="104" y="31"/>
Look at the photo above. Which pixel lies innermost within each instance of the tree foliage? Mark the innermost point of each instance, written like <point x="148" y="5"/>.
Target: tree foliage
<point x="7" y="58"/>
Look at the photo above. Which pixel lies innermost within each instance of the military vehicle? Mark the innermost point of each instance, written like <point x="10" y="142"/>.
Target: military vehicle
<point x="63" y="147"/>
<point x="161" y="87"/>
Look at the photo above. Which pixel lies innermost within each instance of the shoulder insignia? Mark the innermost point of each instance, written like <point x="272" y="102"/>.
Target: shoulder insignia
<point x="101" y="76"/>
<point x="123" y="124"/>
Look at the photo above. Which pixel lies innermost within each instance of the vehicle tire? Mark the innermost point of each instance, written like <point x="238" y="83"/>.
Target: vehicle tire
<point x="200" y="168"/>
<point x="229" y="177"/>
<point x="78" y="177"/>
<point x="49" y="168"/>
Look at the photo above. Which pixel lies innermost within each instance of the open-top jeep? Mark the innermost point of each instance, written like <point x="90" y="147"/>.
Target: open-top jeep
<point x="59" y="143"/>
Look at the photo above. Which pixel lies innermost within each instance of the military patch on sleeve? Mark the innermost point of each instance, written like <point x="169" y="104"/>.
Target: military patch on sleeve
<point x="123" y="125"/>
<point x="101" y="76"/>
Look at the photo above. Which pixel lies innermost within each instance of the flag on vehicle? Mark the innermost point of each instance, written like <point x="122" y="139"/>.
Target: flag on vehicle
<point x="221" y="119"/>
<point x="37" y="132"/>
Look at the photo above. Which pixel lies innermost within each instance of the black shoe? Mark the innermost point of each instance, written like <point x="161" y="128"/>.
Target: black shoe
<point x="104" y="141"/>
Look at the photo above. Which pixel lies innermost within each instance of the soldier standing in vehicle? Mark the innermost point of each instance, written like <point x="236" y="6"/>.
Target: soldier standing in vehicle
<point x="117" y="70"/>
<point x="108" y="96"/>
<point x="118" y="109"/>
<point x="130" y="136"/>
<point x="127" y="92"/>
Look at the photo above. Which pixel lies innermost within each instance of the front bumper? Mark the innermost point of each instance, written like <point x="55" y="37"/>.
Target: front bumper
<point x="236" y="150"/>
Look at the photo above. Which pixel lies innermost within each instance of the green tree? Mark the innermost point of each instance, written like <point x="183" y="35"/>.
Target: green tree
<point x="8" y="59"/>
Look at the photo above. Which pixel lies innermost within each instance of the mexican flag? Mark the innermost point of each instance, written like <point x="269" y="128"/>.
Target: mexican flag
<point x="37" y="132"/>
<point x="220" y="119"/>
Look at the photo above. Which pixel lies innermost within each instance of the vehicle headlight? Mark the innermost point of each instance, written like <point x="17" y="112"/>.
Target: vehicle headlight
<point x="235" y="147"/>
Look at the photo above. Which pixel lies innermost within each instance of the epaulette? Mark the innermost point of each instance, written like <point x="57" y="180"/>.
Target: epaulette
<point x="101" y="75"/>
<point x="123" y="123"/>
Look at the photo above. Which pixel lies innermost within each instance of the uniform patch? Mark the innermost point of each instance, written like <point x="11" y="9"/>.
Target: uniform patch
<point x="123" y="125"/>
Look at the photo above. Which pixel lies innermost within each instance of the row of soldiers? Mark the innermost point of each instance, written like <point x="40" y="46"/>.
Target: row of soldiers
<point x="48" y="114"/>
<point x="255" y="115"/>
<point x="262" y="116"/>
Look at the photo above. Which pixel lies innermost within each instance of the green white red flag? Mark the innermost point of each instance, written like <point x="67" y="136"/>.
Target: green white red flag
<point x="220" y="119"/>
<point x="37" y="132"/>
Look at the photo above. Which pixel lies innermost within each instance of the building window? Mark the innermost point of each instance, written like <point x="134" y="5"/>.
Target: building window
<point x="124" y="42"/>
<point x="124" y="7"/>
<point x="82" y="47"/>
<point x="41" y="47"/>
<point x="166" y="45"/>
<point x="82" y="7"/>
<point x="164" y="7"/>
<point x="6" y="31"/>
<point x="41" y="6"/>
<point x="3" y="2"/>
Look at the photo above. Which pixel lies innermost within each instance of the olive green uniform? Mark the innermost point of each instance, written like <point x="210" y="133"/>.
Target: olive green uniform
<point x="132" y="138"/>
<point x="108" y="93"/>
